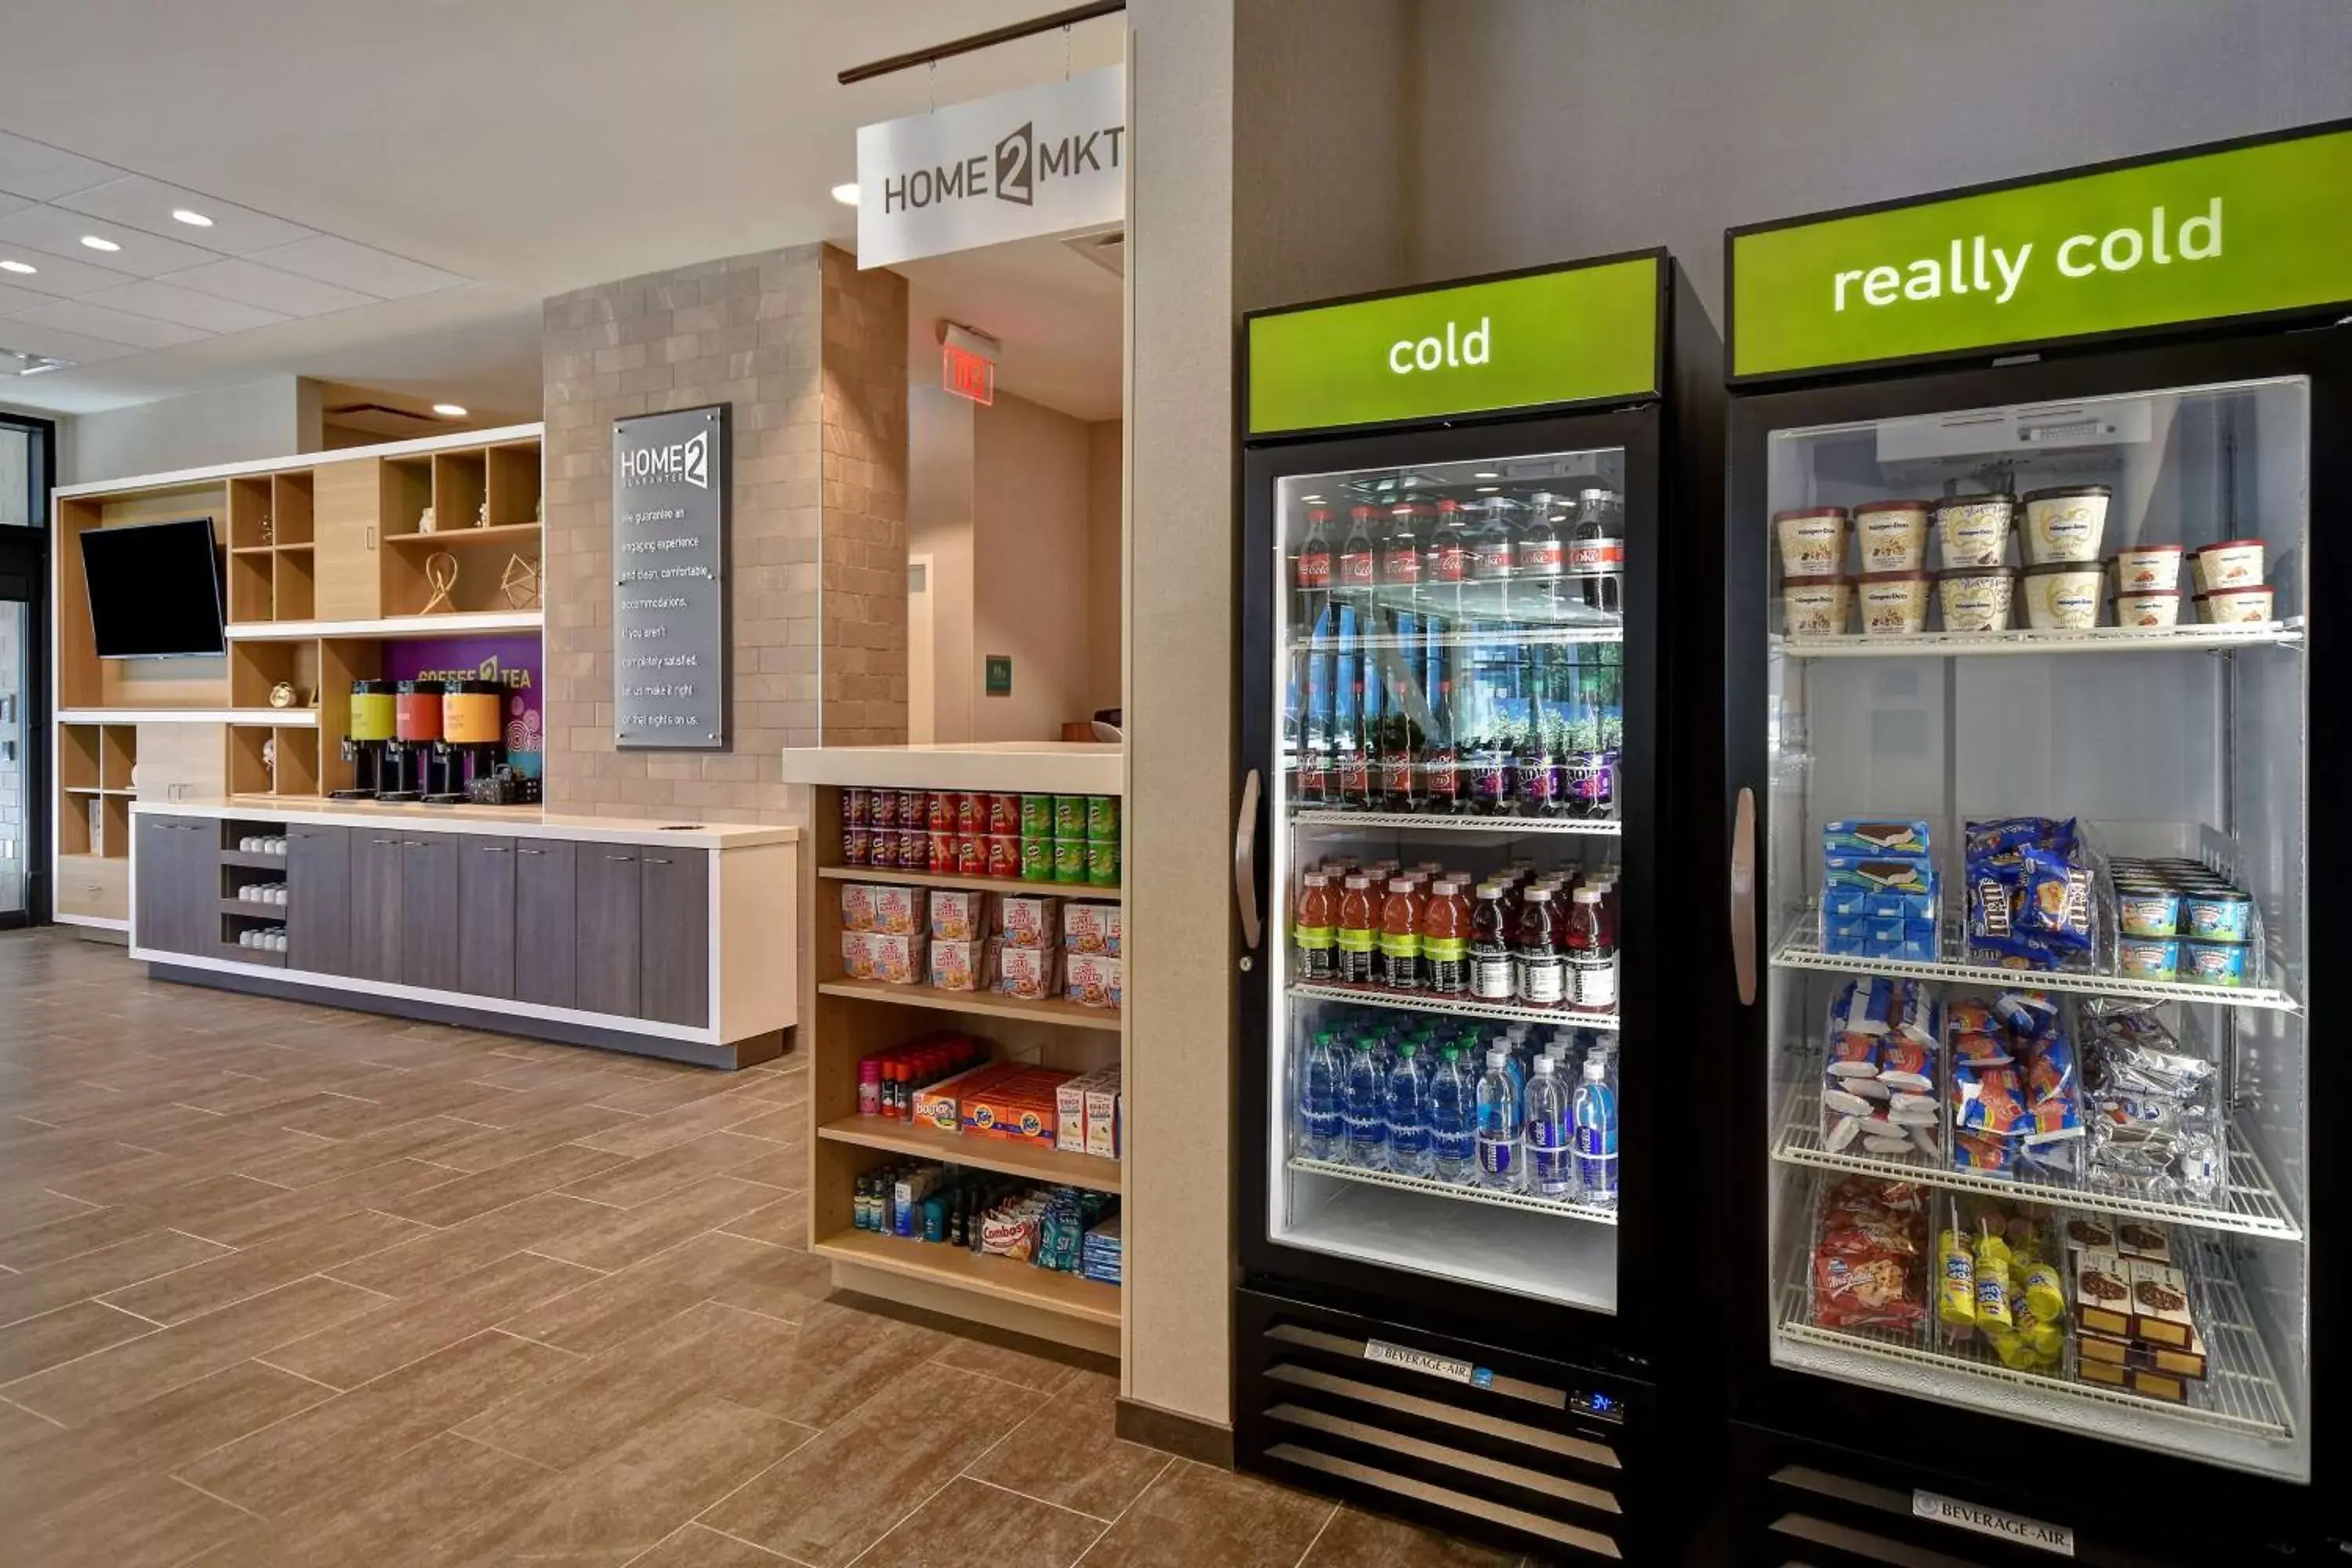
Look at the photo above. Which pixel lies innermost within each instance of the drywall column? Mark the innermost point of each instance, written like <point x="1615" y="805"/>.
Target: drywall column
<point x="863" y="332"/>
<point x="1264" y="169"/>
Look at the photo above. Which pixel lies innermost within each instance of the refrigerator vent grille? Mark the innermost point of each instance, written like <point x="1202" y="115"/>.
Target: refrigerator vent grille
<point x="1423" y="1491"/>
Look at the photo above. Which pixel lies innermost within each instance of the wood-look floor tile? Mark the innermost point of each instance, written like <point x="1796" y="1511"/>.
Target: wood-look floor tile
<point x="432" y="1259"/>
<point x="190" y="1208"/>
<point x="441" y="1487"/>
<point x="1354" y="1539"/>
<point x="651" y="1096"/>
<point x="379" y="1187"/>
<point x="249" y="1271"/>
<point x="667" y="1129"/>
<point x="80" y="1392"/>
<point x="28" y="1206"/>
<point x="1027" y="1369"/>
<point x="367" y="1347"/>
<point x="615" y="1238"/>
<point x="1193" y="1514"/>
<point x="146" y="1521"/>
<point x="846" y="1487"/>
<point x="633" y="1180"/>
<point x="452" y="1201"/>
<point x="696" y="1547"/>
<point x="711" y="1267"/>
<point x="492" y="1146"/>
<point x="1069" y="1453"/>
<point x="98" y="1273"/>
<point x="424" y="1139"/>
<point x="134" y="1180"/>
<point x="303" y="1467"/>
<point x="967" y="1523"/>
<point x="784" y="1125"/>
<point x="65" y="1335"/>
<point x="783" y="1223"/>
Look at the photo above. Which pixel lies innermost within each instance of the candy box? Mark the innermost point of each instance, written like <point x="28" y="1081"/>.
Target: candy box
<point x="2102" y="1293"/>
<point x="1106" y="1119"/>
<point x="1091" y="928"/>
<point x="1877" y="839"/>
<point x="963" y="966"/>
<point x="2143" y="1239"/>
<point x="1028" y="972"/>
<point x="2159" y="1304"/>
<point x="856" y="906"/>
<point x="900" y="912"/>
<point x="1028" y="919"/>
<point x="958" y="914"/>
<point x="1070" y="1113"/>
<point x="1091" y="981"/>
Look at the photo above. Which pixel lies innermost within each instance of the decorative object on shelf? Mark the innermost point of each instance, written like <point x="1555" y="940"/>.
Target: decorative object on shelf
<point x="425" y="522"/>
<point x="539" y="509"/>
<point x="506" y="787"/>
<point x="441" y="574"/>
<point x="97" y="825"/>
<point x="522" y="582"/>
<point x="269" y="757"/>
<point x="268" y="529"/>
<point x="282" y="695"/>
<point x="482" y="515"/>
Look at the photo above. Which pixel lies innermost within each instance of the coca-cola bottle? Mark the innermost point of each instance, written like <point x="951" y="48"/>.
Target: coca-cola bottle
<point x="1446" y="561"/>
<point x="1310" y="572"/>
<point x="1494" y="556"/>
<point x="1352" y="783"/>
<point x="1400" y="781"/>
<point x="1596" y="551"/>
<point x="1399" y="566"/>
<point x="1358" y="566"/>
<point x="1542" y="557"/>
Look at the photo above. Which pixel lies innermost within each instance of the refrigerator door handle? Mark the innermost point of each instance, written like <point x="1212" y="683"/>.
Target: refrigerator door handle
<point x="1743" y="896"/>
<point x="1245" y="861"/>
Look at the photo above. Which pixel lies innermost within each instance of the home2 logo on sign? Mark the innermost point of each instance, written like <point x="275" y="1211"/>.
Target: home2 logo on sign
<point x="1474" y="347"/>
<point x="1963" y="269"/>
<point x="687" y="461"/>
<point x="1019" y="167"/>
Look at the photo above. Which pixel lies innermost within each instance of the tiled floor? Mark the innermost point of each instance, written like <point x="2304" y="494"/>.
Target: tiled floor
<point x="280" y="1285"/>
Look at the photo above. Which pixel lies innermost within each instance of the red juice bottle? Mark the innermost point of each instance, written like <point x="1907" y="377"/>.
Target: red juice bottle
<point x="1446" y="932"/>
<point x="1492" y="978"/>
<point x="1357" y="924"/>
<point x="1591" y="955"/>
<point x="1541" y="970"/>
<point x="1398" y="965"/>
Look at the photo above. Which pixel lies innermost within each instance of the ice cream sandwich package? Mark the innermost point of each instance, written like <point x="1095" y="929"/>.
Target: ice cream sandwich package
<point x="2152" y="1105"/>
<point x="1880" y="1072"/>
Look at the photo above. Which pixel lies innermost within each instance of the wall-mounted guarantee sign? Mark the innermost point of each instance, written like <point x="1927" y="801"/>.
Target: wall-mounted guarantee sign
<point x="669" y="581"/>
<point x="2204" y="236"/>
<point x="1042" y="161"/>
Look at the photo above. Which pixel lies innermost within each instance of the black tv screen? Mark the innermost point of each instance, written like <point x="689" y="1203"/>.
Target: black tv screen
<point x="154" y="589"/>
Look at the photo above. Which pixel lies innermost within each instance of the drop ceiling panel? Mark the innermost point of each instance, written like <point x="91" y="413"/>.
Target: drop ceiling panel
<point x="13" y="299"/>
<point x="32" y="337"/>
<point x="37" y="170"/>
<point x="205" y="312"/>
<point x="329" y="258"/>
<point x="60" y="276"/>
<point x="59" y="232"/>
<point x="9" y="204"/>
<point x="266" y="288"/>
<point x="148" y="206"/>
<point x="111" y="326"/>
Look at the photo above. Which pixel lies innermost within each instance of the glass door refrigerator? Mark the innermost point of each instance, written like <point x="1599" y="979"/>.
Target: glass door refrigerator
<point x="2033" y="532"/>
<point x="1454" y="677"/>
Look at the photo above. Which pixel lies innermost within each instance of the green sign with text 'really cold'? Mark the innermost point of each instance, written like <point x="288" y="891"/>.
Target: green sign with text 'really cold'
<point x="2242" y="231"/>
<point x="1565" y="336"/>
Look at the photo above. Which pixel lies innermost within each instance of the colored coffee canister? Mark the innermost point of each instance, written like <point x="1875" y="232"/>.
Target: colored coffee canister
<point x="372" y="710"/>
<point x="417" y="710"/>
<point x="473" y="712"/>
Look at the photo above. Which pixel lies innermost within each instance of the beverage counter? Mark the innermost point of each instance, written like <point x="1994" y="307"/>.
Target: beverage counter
<point x="662" y="939"/>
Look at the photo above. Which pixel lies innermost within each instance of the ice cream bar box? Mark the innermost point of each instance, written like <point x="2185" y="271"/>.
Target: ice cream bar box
<point x="1883" y="837"/>
<point x="1878" y="874"/>
<point x="2186" y="1362"/>
<point x="958" y="914"/>
<point x="2159" y="1304"/>
<point x="2102" y="1293"/>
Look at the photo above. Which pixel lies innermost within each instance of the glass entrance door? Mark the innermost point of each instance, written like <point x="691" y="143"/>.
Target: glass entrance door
<point x="25" y="459"/>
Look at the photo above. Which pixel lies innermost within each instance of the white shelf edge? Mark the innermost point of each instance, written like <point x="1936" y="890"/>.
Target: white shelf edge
<point x="101" y="923"/>
<point x="1797" y="951"/>
<point x="467" y="622"/>
<point x="1456" y="1007"/>
<point x="279" y="718"/>
<point x="1518" y="636"/>
<point x="457" y="440"/>
<point x="2287" y="633"/>
<point x="1460" y="1192"/>
<point x="1419" y="822"/>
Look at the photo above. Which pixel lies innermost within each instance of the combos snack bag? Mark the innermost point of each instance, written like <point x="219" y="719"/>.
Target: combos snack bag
<point x="1869" y="1261"/>
<point x="2029" y="893"/>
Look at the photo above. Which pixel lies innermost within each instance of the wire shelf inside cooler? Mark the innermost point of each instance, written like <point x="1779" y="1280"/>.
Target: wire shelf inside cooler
<point x="1459" y="1192"/>
<point x="1416" y="822"/>
<point x="2252" y="1204"/>
<point x="1510" y="635"/>
<point x="2195" y="637"/>
<point x="1500" y="1248"/>
<point x="1462" y="1007"/>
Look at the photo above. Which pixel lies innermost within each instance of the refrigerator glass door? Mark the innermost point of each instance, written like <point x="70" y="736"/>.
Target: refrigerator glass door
<point x="1449" y="676"/>
<point x="2036" y="900"/>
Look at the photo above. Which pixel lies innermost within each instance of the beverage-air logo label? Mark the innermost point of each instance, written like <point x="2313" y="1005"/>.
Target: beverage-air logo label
<point x="2014" y="1528"/>
<point x="2245" y="231"/>
<point x="1412" y="1359"/>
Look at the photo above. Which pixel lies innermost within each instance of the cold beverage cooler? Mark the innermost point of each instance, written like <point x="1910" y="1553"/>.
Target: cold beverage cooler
<point x="1453" y="681"/>
<point x="2037" y="1229"/>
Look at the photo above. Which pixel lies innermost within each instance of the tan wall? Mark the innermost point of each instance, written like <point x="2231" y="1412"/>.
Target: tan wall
<point x="863" y="317"/>
<point x="1105" y="529"/>
<point x="938" y="524"/>
<point x="1030" y="531"/>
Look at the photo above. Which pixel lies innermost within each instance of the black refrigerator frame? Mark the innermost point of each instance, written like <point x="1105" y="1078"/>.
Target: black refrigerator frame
<point x="1609" y="1365"/>
<point x="1809" y="1455"/>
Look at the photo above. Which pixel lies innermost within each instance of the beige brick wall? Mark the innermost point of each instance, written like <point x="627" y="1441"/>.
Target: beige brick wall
<point x="796" y="340"/>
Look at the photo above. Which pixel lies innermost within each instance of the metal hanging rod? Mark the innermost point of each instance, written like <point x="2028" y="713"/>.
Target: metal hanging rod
<point x="990" y="39"/>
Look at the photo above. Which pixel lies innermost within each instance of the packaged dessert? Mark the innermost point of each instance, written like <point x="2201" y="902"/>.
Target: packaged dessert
<point x="2232" y="563"/>
<point x="1973" y="530"/>
<point x="1885" y="836"/>
<point x="2213" y="963"/>
<point x="856" y="906"/>
<point x="2065" y="523"/>
<point x="2147" y="568"/>
<point x="1975" y="598"/>
<point x="1892" y="535"/>
<point x="2062" y="596"/>
<point x="2248" y="605"/>
<point x="958" y="914"/>
<point x="1812" y="541"/>
<point x="2147" y="958"/>
<point x="2086" y="1232"/>
<point x="2147" y="909"/>
<point x="1892" y="602"/>
<point x="1091" y="980"/>
<point x="2102" y="1293"/>
<point x="1868" y="1268"/>
<point x="2159" y="1303"/>
<point x="1029" y="919"/>
<point x="2145" y="1240"/>
<point x="2146" y="608"/>
<point x="2226" y="915"/>
<point x="1091" y="928"/>
<point x="901" y="912"/>
<point x="1816" y="607"/>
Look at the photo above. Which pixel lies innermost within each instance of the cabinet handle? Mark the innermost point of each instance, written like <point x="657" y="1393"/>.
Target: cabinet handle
<point x="657" y="860"/>
<point x="383" y="840"/>
<point x="1743" y="896"/>
<point x="371" y="537"/>
<point x="530" y="851"/>
<point x="620" y="857"/>
<point x="496" y="849"/>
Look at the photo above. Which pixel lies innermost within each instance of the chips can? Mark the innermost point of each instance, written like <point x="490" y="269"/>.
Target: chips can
<point x="1036" y="857"/>
<point x="1070" y="816"/>
<point x="1004" y="855"/>
<point x="940" y="811"/>
<point x="1102" y="817"/>
<point x="1069" y="859"/>
<point x="943" y="851"/>
<point x="884" y="850"/>
<point x="914" y="808"/>
<point x="1036" y="817"/>
<point x="883" y="808"/>
<point x="857" y="845"/>
<point x="857" y="806"/>
<point x="1102" y="862"/>
<point x="971" y="812"/>
<point x="971" y="854"/>
<point x="914" y="849"/>
<point x="1005" y="813"/>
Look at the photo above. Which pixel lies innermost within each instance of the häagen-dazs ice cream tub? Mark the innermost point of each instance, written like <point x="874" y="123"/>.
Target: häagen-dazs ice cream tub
<point x="1812" y="541"/>
<point x="2065" y="523"/>
<point x="2145" y="568"/>
<point x="1892" y="535"/>
<point x="2235" y="606"/>
<point x="1816" y="607"/>
<point x="1976" y="598"/>
<point x="2232" y="563"/>
<point x="1973" y="530"/>
<point x="2153" y="607"/>
<point x="1893" y="602"/>
<point x="2063" y="596"/>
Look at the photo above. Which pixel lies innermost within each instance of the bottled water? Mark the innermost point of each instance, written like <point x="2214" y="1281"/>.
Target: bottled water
<point x="1595" y="1113"/>
<point x="1498" y="1147"/>
<point x="1321" y="1075"/>
<point x="1551" y="1170"/>
<point x="1409" y="1132"/>
<point x="1453" y="1113"/>
<point x="1366" y="1111"/>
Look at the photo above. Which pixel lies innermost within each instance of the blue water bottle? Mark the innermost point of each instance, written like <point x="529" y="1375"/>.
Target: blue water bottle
<point x="1322" y="1129"/>
<point x="1596" y="1134"/>
<point x="1367" y="1109"/>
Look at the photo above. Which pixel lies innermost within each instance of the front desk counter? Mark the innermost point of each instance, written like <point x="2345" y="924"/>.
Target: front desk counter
<point x="667" y="939"/>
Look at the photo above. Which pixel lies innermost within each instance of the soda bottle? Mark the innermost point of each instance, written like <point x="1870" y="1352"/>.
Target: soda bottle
<point x="1542" y="556"/>
<point x="1409" y="1133"/>
<point x="1492" y="976"/>
<point x="1355" y="944"/>
<point x="1596" y="551"/>
<point x="1551" y="1170"/>
<point x="1400" y="564"/>
<point x="1541" y="972"/>
<point x="1365" y="1110"/>
<point x="1485" y="741"/>
<point x="1351" y="780"/>
<point x="1446" y="561"/>
<point x="1358" y="566"/>
<point x="1315" y="932"/>
<point x="1452" y="1116"/>
<point x="1400" y="771"/>
<point x="1595" y="1115"/>
<point x="1311" y="575"/>
<point x="1321" y="1075"/>
<point x="1494" y="556"/>
<point x="1535" y="771"/>
<point x="1445" y="930"/>
<point x="1591" y="786"/>
<point x="1316" y="717"/>
<point x="1397" y="964"/>
<point x="1591" y="955"/>
<point x="1498" y="1139"/>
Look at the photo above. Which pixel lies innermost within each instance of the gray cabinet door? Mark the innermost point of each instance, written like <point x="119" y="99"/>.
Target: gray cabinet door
<point x="486" y="916"/>
<point x="319" y="898"/>
<point x="192" y="887"/>
<point x="674" y="984"/>
<point x="375" y="904"/>
<point x="546" y="941"/>
<point x="607" y="928"/>
<point x="428" y="909"/>
<point x="152" y="846"/>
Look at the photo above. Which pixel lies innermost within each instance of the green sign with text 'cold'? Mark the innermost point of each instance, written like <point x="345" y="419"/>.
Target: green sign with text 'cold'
<point x="2240" y="232"/>
<point x="1567" y="336"/>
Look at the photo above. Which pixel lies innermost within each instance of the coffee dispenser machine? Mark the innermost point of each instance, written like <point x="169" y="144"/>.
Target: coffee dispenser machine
<point x="472" y="740"/>
<point x="416" y="725"/>
<point x="368" y="741"/>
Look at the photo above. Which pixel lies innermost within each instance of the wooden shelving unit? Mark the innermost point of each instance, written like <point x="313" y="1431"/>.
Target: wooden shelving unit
<point x="979" y="1004"/>
<point x="1013" y="1157"/>
<point x="1043" y="1291"/>
<point x="977" y="884"/>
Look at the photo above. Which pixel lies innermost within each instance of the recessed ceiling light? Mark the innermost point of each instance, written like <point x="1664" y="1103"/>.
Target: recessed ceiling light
<point x="1310" y="499"/>
<point x="197" y="219"/>
<point x="13" y="266"/>
<point x="1486" y="474"/>
<point x="450" y="410"/>
<point x="1489" y="490"/>
<point x="846" y="195"/>
<point x="97" y="244"/>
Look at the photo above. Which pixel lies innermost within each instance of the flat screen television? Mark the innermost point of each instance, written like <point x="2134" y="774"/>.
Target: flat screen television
<point x="155" y="589"/>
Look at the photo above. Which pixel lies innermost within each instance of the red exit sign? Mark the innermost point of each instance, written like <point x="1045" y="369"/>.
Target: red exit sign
<point x="967" y="375"/>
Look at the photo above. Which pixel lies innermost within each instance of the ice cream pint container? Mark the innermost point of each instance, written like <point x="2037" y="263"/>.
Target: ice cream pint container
<point x="2065" y="523"/>
<point x="2235" y="606"/>
<point x="1892" y="535"/>
<point x="2159" y="607"/>
<point x="1812" y="541"/>
<point x="1816" y="607"/>
<point x="1973" y="530"/>
<point x="1975" y="598"/>
<point x="1893" y="602"/>
<point x="2232" y="563"/>
<point x="2146" y="567"/>
<point x="2063" y="596"/>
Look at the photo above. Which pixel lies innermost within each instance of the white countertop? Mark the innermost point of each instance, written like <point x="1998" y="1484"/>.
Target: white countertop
<point x="1046" y="767"/>
<point x="517" y="821"/>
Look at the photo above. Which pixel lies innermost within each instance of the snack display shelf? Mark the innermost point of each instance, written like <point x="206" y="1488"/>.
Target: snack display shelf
<point x="1800" y="949"/>
<point x="1456" y="1007"/>
<point x="1460" y="1192"/>
<point x="2287" y="633"/>
<point x="2251" y="1205"/>
<point x="1514" y="636"/>
<point x="989" y="1004"/>
<point x="1419" y="822"/>
<point x="1006" y="1278"/>
<point x="891" y="877"/>
<point x="2235" y="1416"/>
<point x="1014" y="1157"/>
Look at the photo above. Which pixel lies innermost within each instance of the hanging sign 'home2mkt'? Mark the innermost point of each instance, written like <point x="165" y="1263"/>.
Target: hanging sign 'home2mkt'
<point x="2253" y="229"/>
<point x="1569" y="335"/>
